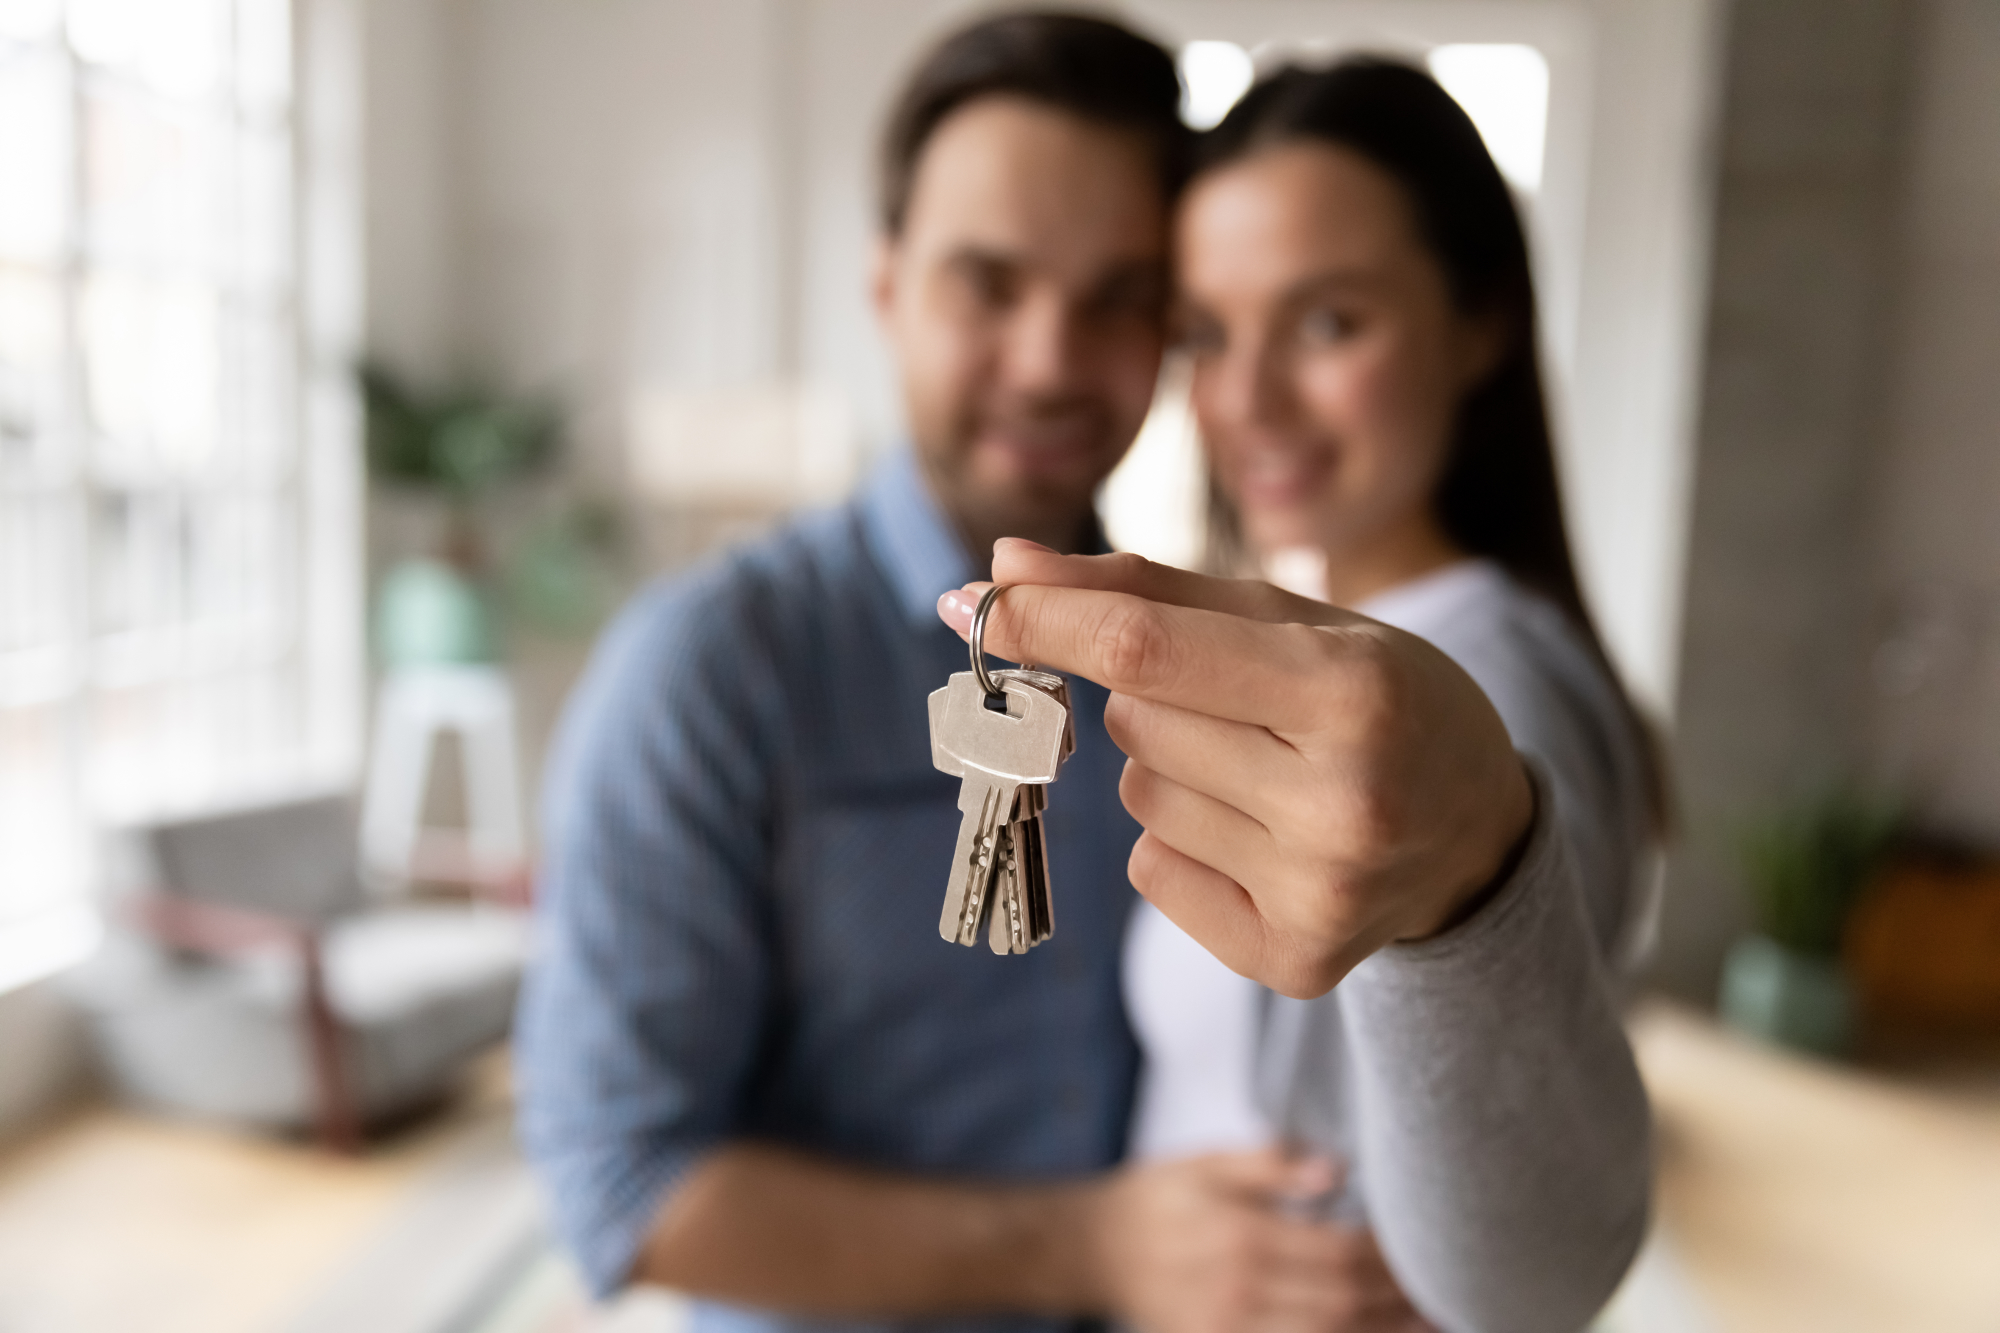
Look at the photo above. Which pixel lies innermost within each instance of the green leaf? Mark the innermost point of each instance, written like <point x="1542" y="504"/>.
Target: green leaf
<point x="1807" y="865"/>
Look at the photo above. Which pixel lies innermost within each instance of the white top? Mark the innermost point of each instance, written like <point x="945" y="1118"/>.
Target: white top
<point x="1195" y="1019"/>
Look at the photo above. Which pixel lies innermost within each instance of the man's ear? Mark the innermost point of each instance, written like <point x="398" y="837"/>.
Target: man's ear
<point x="882" y="278"/>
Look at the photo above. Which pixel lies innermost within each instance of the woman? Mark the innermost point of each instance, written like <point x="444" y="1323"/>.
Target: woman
<point x="1359" y="314"/>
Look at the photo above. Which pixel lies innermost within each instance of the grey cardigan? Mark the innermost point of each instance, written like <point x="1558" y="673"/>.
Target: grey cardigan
<point x="1480" y="1082"/>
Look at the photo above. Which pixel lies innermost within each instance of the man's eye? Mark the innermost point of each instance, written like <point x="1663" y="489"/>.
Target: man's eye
<point x="992" y="285"/>
<point x="1325" y="326"/>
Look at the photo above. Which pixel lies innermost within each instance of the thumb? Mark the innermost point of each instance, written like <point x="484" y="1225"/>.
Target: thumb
<point x="1261" y="1172"/>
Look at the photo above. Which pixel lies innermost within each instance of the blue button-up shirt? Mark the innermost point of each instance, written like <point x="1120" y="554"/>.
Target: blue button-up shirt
<point x="746" y="854"/>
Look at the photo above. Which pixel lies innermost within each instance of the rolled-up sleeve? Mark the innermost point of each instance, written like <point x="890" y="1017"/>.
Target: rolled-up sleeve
<point x="648" y="997"/>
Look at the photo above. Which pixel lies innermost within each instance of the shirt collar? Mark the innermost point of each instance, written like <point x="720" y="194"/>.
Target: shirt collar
<point x="915" y="543"/>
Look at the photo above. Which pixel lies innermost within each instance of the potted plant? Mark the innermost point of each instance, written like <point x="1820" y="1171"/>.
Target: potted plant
<point x="1806" y="867"/>
<point x="460" y="447"/>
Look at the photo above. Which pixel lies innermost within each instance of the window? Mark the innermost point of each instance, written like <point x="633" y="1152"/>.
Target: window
<point x="163" y="528"/>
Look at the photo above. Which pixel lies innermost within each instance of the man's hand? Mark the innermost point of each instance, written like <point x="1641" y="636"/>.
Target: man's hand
<point x="1314" y="785"/>
<point x="1196" y="1246"/>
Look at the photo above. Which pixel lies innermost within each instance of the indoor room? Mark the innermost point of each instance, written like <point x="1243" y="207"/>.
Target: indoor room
<point x="475" y="477"/>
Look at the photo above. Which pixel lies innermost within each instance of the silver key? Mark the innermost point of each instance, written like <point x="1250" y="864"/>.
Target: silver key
<point x="1020" y="898"/>
<point x="1030" y="847"/>
<point x="1008" y="931"/>
<point x="994" y="754"/>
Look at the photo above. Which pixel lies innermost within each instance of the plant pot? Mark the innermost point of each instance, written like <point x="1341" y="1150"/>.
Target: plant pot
<point x="430" y="614"/>
<point x="1787" y="997"/>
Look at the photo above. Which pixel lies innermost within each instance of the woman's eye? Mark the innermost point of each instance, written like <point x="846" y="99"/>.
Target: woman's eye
<point x="1325" y="326"/>
<point x="1198" y="337"/>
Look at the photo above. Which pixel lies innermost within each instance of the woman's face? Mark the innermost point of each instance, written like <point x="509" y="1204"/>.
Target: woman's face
<point x="1328" y="357"/>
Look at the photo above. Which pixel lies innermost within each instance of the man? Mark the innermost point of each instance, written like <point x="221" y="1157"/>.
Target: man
<point x="750" y="1067"/>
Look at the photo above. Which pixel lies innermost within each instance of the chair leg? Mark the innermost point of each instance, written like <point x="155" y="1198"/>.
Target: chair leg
<point x="339" y="1122"/>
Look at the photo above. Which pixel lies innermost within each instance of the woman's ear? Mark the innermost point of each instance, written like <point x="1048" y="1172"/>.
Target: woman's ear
<point x="1484" y="339"/>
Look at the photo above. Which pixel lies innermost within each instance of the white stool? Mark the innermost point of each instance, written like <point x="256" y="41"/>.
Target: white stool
<point x="415" y="705"/>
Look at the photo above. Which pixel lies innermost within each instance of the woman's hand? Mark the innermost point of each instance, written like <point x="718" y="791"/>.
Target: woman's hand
<point x="1313" y="785"/>
<point x="1198" y="1246"/>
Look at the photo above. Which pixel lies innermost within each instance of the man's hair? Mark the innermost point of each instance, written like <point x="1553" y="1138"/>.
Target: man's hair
<point x="1090" y="67"/>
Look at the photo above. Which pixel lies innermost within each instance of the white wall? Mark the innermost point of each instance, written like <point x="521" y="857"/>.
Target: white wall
<point x="1937" y="540"/>
<point x="575" y="196"/>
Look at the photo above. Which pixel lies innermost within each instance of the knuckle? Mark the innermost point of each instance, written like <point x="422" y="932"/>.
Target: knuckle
<point x="1127" y="568"/>
<point x="1132" y="644"/>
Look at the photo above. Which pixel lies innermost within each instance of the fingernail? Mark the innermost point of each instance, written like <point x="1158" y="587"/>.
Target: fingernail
<point x="955" y="609"/>
<point x="1023" y="543"/>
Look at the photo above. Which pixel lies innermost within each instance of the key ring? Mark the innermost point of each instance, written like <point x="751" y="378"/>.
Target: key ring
<point x="977" y="641"/>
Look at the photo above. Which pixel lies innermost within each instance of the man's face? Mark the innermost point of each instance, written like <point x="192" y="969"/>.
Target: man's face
<point x="1024" y="302"/>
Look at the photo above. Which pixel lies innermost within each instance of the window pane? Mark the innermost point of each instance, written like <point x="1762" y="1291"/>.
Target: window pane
<point x="150" y="368"/>
<point x="38" y="599"/>
<point x="35" y="597"/>
<point x="41" y="840"/>
<point x="264" y="54"/>
<point x="260" y="388"/>
<point x="155" y="188"/>
<point x="28" y="20"/>
<point x="262" y="254"/>
<point x="177" y="743"/>
<point x="238" y="569"/>
<point x="176" y="47"/>
<point x="136" y="545"/>
<point x="30" y="369"/>
<point x="34" y="154"/>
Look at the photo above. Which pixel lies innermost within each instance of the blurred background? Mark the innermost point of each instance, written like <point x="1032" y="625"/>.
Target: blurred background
<point x="358" y="356"/>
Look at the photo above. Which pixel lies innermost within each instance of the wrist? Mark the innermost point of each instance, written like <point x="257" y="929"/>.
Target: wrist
<point x="1500" y="856"/>
<point x="1059" y="1233"/>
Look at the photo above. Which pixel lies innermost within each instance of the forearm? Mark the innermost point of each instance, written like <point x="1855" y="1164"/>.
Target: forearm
<point x="1503" y="1127"/>
<point x="772" y="1227"/>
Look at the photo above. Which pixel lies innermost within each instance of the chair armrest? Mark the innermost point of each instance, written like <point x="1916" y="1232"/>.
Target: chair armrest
<point x="223" y="930"/>
<point x="217" y="928"/>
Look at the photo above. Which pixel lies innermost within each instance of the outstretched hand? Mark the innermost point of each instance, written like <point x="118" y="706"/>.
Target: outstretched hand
<point x="1313" y="784"/>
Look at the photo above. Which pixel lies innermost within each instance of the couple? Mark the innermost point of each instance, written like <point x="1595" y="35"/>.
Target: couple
<point x="749" y="1067"/>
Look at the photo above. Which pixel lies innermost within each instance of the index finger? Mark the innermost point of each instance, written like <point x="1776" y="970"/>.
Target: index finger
<point x="1205" y="661"/>
<point x="1018" y="561"/>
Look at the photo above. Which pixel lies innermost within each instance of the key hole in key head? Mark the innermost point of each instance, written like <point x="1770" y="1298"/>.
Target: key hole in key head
<point x="996" y="703"/>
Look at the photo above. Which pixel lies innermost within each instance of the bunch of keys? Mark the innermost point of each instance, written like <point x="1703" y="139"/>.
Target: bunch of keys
<point x="1005" y="735"/>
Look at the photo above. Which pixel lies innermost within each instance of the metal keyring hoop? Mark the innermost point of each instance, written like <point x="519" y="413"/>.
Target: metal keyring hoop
<point x="977" y="640"/>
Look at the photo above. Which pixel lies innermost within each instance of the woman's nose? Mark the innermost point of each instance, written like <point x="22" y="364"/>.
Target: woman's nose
<point x="1244" y="386"/>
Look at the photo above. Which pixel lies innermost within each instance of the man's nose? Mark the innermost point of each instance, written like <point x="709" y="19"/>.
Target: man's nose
<point x="1044" y="345"/>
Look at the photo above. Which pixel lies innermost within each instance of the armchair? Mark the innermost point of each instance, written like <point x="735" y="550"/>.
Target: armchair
<point x="251" y="979"/>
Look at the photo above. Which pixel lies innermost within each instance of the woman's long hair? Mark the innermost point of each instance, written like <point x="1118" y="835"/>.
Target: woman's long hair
<point x="1498" y="496"/>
